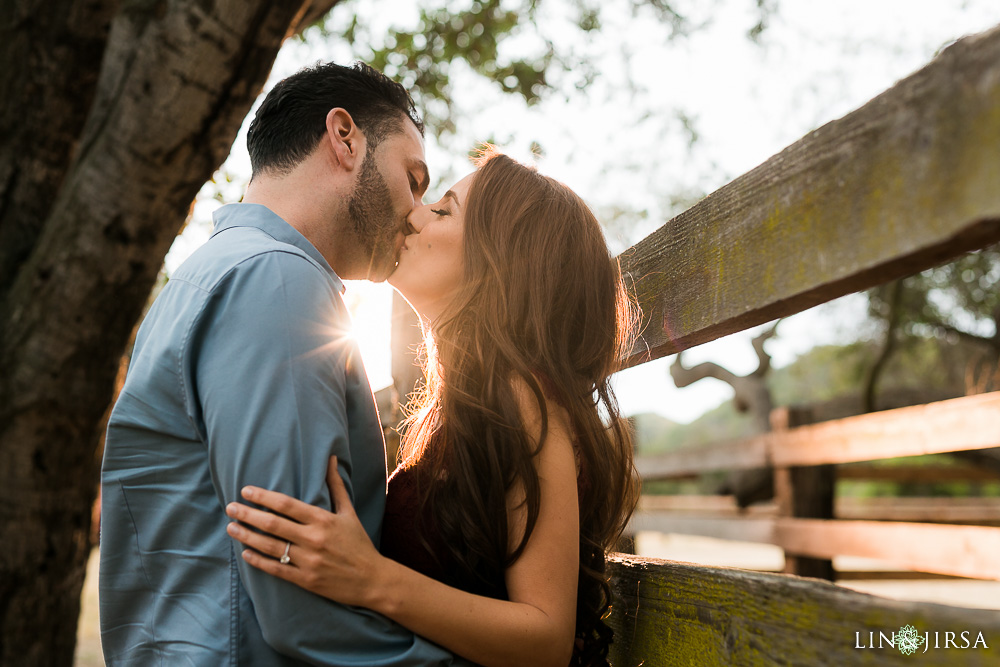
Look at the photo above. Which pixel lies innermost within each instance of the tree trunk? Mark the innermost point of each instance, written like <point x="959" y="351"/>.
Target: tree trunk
<point x="113" y="116"/>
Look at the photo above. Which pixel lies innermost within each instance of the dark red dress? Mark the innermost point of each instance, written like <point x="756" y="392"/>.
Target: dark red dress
<point x="414" y="540"/>
<point x="402" y="524"/>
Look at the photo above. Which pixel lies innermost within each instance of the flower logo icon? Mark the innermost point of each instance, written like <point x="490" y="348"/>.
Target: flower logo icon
<point x="908" y="640"/>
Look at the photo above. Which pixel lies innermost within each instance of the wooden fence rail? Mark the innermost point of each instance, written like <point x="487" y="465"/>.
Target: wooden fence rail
<point x="964" y="551"/>
<point x="908" y="181"/>
<point x="962" y="510"/>
<point x="668" y="613"/>
<point x="959" y="424"/>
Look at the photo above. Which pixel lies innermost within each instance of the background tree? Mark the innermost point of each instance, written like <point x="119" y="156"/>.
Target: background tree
<point x="957" y="305"/>
<point x="954" y="310"/>
<point x="113" y="116"/>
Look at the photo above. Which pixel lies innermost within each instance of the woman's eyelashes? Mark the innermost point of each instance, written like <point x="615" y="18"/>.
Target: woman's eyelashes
<point x="439" y="211"/>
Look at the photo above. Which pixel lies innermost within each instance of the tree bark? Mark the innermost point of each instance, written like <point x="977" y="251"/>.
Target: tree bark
<point x="114" y="115"/>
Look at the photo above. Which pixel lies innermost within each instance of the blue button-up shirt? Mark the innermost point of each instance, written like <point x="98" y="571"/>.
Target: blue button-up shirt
<point x="243" y="372"/>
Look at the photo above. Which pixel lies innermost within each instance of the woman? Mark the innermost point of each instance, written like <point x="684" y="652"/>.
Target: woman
<point x="510" y="488"/>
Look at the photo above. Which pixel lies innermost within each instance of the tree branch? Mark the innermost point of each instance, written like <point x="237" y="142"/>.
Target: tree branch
<point x="684" y="377"/>
<point x="764" y="358"/>
<point x="312" y="12"/>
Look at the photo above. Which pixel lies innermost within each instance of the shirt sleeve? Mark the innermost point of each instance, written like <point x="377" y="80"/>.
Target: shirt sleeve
<point x="268" y="358"/>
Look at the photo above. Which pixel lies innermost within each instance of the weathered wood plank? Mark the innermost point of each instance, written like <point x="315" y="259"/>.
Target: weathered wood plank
<point x="689" y="461"/>
<point x="666" y="613"/>
<point x="906" y="182"/>
<point x="710" y="504"/>
<point x="958" y="424"/>
<point x="915" y="473"/>
<point x="964" y="551"/>
<point x="933" y="510"/>
<point x="742" y="529"/>
<point x="894" y="575"/>
<point x="914" y="509"/>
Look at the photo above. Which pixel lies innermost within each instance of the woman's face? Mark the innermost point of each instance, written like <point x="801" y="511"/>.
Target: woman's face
<point x="431" y="263"/>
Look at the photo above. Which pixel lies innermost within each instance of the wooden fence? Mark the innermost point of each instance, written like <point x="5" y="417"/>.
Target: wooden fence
<point x="959" y="424"/>
<point x="909" y="181"/>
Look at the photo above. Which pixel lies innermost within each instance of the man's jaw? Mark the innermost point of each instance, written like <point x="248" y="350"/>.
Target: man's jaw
<point x="400" y="247"/>
<point x="383" y="257"/>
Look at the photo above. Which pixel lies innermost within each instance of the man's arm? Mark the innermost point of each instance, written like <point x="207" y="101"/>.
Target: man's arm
<point x="268" y="358"/>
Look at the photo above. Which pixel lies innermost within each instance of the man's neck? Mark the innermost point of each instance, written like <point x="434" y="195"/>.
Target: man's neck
<point x="316" y="218"/>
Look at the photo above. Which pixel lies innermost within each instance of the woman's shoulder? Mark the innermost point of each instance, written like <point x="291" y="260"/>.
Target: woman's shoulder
<point x="559" y="431"/>
<point x="528" y="401"/>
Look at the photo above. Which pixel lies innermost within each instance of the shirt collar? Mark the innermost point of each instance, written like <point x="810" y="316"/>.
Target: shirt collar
<point x="261" y="217"/>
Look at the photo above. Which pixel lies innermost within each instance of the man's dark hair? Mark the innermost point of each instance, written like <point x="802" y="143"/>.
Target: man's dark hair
<point x="292" y="118"/>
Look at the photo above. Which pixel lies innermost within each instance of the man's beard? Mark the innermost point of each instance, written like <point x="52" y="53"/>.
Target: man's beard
<point x="373" y="221"/>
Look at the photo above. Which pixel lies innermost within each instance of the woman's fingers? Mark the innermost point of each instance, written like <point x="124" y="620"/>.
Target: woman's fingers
<point x="293" y="508"/>
<point x="338" y="492"/>
<point x="267" y="522"/>
<point x="269" y="546"/>
<point x="329" y="554"/>
<point x="287" y="572"/>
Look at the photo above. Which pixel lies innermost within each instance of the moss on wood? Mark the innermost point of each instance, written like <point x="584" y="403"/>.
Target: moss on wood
<point x="666" y="613"/>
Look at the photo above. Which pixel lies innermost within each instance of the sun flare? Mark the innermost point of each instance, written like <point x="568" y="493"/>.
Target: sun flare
<point x="370" y="305"/>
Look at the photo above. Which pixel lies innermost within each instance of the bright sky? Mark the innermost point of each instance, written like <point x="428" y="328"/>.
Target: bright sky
<point x="626" y="148"/>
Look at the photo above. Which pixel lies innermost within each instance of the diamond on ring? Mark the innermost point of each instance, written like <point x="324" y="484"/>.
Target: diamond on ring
<point x="285" y="558"/>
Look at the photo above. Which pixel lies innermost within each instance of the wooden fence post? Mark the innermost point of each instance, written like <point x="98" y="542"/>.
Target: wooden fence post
<point x="803" y="492"/>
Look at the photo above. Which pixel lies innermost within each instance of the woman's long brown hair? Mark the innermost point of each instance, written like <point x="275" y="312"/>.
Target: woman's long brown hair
<point x="542" y="301"/>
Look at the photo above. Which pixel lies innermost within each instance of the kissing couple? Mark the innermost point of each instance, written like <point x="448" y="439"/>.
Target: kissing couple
<point x="247" y="514"/>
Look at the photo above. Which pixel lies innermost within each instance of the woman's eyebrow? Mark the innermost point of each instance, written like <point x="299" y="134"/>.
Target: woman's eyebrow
<point x="453" y="196"/>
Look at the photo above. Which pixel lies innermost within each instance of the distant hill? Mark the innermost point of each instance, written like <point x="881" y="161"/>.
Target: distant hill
<point x="654" y="433"/>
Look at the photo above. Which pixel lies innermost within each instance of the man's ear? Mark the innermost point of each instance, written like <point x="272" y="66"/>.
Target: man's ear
<point x="345" y="138"/>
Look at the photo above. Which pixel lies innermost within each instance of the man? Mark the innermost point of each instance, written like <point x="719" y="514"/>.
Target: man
<point x="244" y="373"/>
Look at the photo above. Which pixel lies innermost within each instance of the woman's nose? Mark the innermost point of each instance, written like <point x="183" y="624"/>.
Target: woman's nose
<point x="415" y="221"/>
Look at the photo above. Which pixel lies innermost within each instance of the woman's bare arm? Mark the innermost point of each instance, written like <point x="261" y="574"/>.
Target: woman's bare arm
<point x="333" y="557"/>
